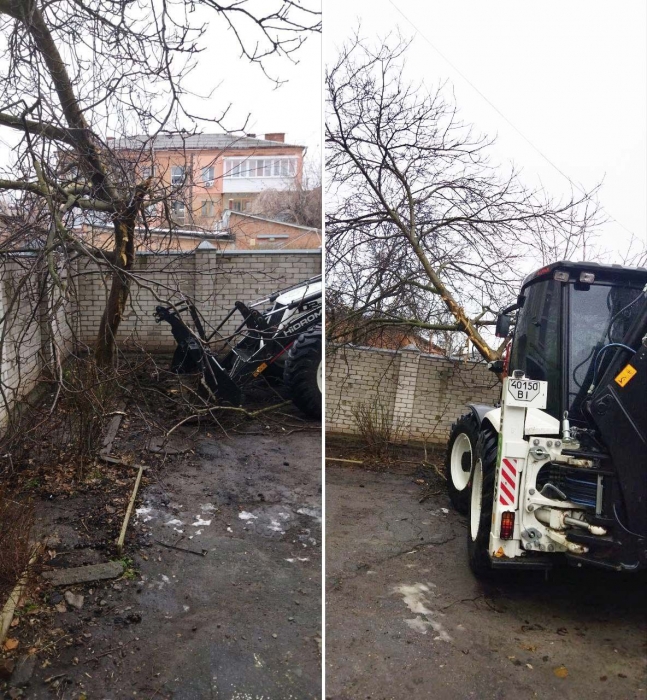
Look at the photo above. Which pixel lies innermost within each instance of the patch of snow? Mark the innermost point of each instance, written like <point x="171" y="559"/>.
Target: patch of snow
<point x="276" y="527"/>
<point x="415" y="598"/>
<point x="311" y="513"/>
<point x="200" y="522"/>
<point x="144" y="513"/>
<point x="174" y="521"/>
<point x="244" y="515"/>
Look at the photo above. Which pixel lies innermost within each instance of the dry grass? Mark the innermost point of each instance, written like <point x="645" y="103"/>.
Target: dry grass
<point x="88" y="395"/>
<point x="377" y="431"/>
<point x="16" y="519"/>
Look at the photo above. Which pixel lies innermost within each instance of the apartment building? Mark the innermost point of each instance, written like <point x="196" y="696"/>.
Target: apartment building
<point x="205" y="175"/>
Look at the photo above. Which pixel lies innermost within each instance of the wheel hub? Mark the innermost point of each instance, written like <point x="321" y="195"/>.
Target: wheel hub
<point x="461" y="457"/>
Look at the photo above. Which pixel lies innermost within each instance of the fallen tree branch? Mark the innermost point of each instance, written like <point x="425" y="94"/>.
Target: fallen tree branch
<point x="235" y="409"/>
<point x="349" y="461"/>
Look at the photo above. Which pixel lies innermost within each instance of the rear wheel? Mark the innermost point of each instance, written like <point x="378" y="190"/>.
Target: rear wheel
<point x="303" y="372"/>
<point x="481" y="501"/>
<point x="460" y="458"/>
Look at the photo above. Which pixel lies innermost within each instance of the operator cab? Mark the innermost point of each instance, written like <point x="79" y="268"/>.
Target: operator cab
<point x="566" y="314"/>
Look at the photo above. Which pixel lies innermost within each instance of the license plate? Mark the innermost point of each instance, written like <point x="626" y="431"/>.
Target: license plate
<point x="523" y="389"/>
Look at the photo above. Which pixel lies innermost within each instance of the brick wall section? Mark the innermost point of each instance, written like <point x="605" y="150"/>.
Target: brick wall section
<point x="246" y="230"/>
<point x="355" y="376"/>
<point x="424" y="393"/>
<point x="214" y="279"/>
<point x="28" y="342"/>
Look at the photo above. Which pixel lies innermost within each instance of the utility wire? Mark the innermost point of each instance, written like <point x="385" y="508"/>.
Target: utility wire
<point x="503" y="116"/>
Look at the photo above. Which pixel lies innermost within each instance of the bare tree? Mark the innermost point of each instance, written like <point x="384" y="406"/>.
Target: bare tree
<point x="423" y="229"/>
<point x="301" y="204"/>
<point x="78" y="70"/>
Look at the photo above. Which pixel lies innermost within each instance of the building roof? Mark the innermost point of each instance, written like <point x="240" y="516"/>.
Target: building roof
<point x="229" y="212"/>
<point x="196" y="142"/>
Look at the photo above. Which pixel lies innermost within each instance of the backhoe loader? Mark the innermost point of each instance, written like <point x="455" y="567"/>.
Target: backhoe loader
<point x="558" y="470"/>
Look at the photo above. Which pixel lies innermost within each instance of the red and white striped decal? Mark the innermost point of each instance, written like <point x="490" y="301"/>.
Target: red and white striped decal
<point x="508" y="481"/>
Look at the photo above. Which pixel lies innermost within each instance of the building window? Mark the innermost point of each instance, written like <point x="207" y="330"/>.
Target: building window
<point x="178" y="210"/>
<point x="177" y="174"/>
<point x="260" y="167"/>
<point x="147" y="171"/>
<point x="240" y="204"/>
<point x="207" y="209"/>
<point x="208" y="176"/>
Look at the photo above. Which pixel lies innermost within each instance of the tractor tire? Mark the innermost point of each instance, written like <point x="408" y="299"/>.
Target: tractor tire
<point x="459" y="460"/>
<point x="302" y="374"/>
<point x="481" y="502"/>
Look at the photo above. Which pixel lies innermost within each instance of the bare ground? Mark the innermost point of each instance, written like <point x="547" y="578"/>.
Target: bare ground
<point x="405" y="618"/>
<point x="238" y="616"/>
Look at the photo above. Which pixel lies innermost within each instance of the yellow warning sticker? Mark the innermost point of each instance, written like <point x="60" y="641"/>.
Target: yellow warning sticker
<point x="259" y="369"/>
<point x="627" y="374"/>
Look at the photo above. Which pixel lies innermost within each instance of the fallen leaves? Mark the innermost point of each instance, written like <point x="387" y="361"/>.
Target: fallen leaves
<point x="561" y="671"/>
<point x="10" y="644"/>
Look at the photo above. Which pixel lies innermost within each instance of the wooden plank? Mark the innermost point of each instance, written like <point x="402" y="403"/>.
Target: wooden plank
<point x="113" y="427"/>
<point x="129" y="510"/>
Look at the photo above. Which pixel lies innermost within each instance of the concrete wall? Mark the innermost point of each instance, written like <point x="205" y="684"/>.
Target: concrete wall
<point x="423" y="394"/>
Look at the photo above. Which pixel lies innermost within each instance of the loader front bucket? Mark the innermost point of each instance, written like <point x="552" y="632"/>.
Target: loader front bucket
<point x="219" y="382"/>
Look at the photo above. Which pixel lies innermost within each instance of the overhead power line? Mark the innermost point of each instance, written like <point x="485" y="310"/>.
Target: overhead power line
<point x="503" y="116"/>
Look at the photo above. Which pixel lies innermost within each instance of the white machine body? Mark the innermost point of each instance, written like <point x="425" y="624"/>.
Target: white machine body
<point x="540" y="521"/>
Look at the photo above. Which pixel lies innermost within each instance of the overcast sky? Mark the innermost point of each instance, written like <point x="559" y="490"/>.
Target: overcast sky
<point x="294" y="108"/>
<point x="571" y="76"/>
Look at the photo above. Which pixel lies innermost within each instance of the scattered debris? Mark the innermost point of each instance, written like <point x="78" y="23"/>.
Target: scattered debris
<point x="73" y="599"/>
<point x="160" y="444"/>
<point x="6" y="668"/>
<point x="348" y="461"/>
<point x="561" y="672"/>
<point x="202" y="553"/>
<point x="24" y="671"/>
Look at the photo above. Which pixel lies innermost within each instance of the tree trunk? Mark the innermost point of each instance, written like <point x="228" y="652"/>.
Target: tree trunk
<point x="124" y="250"/>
